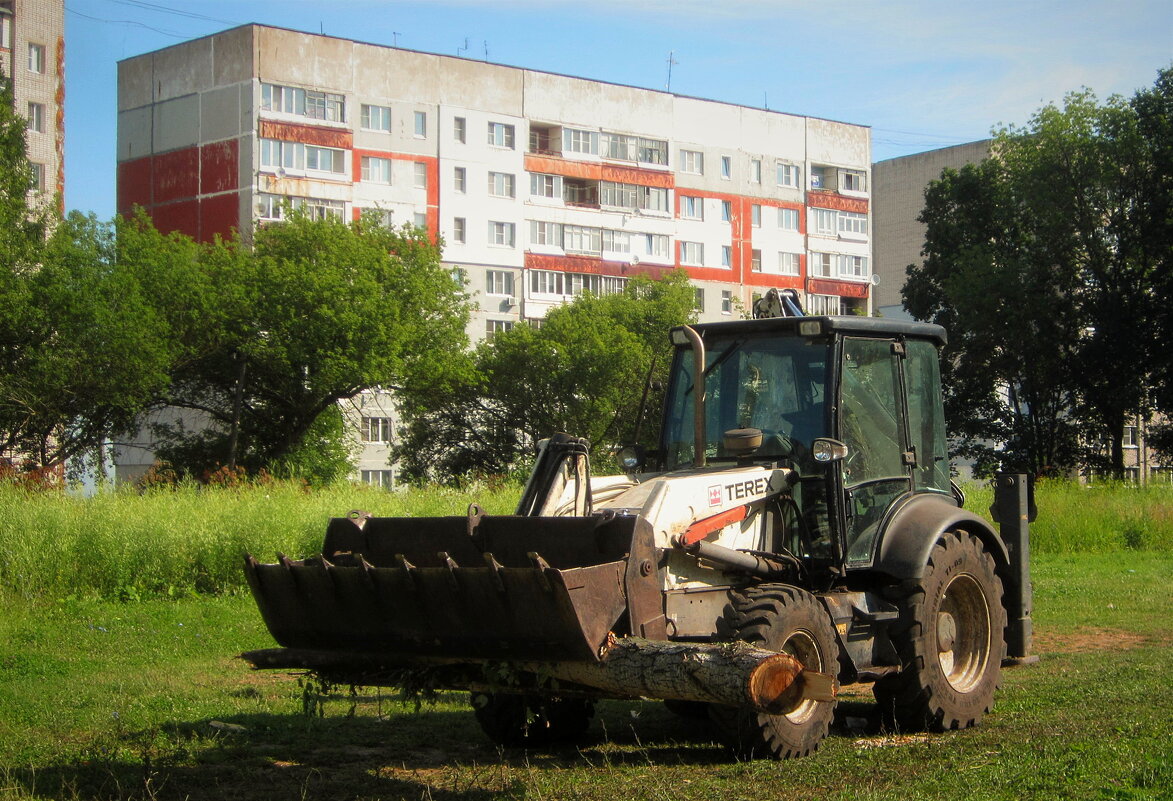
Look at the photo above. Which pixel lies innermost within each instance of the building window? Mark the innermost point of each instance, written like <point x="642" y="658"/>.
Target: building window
<point x="755" y="212"/>
<point x="376" y="429"/>
<point x="853" y="225"/>
<point x="788" y="263"/>
<point x="501" y="184"/>
<point x="37" y="117"/>
<point x="692" y="253"/>
<point x="853" y="181"/>
<point x="420" y="177"/>
<point x="726" y="302"/>
<point x="542" y="185"/>
<point x="726" y="256"/>
<point x="656" y="245"/>
<point x="1129" y="438"/>
<point x="460" y="179"/>
<point x="788" y="219"/>
<point x="818" y="177"/>
<point x="755" y="170"/>
<point x="376" y="170"/>
<point x="623" y="147"/>
<point x="825" y="222"/>
<point x="726" y="167"/>
<point x="501" y="135"/>
<point x="853" y="266"/>
<point x="459" y="234"/>
<point x="421" y="124"/>
<point x="494" y="327"/>
<point x="755" y="260"/>
<point x="823" y="304"/>
<point x="459" y="129"/>
<point x="726" y="211"/>
<point x="545" y="282"/>
<point x="502" y="234"/>
<point x="822" y="265"/>
<point x="698" y="299"/>
<point x="692" y="161"/>
<point x="38" y="171"/>
<point x="325" y="159"/>
<point x="692" y="208"/>
<point x="545" y="233"/>
<point x="420" y="220"/>
<point x="616" y="241"/>
<point x="788" y="174"/>
<point x="272" y="207"/>
<point x="376" y="118"/>
<point x="303" y="102"/>
<point x="581" y="240"/>
<point x="577" y="141"/>
<point x="499" y="282"/>
<point x="378" y="478"/>
<point x="5" y="32"/>
<point x="36" y="58"/>
<point x="634" y="196"/>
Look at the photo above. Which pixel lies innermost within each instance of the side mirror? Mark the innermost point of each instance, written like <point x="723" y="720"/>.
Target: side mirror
<point x="825" y="450"/>
<point x="631" y="458"/>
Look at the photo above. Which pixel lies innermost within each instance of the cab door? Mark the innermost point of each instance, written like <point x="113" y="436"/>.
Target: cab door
<point x="873" y="425"/>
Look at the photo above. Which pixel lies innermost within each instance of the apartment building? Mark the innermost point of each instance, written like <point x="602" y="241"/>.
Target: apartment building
<point x="542" y="186"/>
<point x="32" y="55"/>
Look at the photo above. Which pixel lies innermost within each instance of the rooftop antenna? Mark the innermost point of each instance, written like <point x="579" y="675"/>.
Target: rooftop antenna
<point x="395" y="38"/>
<point x="765" y="100"/>
<point x="671" y="61"/>
<point x="459" y="50"/>
<point x="486" y="44"/>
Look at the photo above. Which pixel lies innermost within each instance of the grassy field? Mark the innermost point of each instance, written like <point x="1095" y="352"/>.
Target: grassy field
<point x="110" y="692"/>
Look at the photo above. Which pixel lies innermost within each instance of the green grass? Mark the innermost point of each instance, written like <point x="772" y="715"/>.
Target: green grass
<point x="144" y="700"/>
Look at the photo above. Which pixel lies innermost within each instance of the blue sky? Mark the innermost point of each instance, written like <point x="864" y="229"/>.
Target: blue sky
<point x="922" y="73"/>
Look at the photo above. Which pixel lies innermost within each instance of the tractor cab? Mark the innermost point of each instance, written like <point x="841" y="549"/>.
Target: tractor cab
<point x="851" y="404"/>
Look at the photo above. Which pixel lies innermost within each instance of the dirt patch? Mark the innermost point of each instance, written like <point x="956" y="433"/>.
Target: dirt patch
<point x="1091" y="639"/>
<point x="890" y="741"/>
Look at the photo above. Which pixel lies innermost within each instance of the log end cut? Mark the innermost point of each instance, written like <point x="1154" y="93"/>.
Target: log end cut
<point x="779" y="684"/>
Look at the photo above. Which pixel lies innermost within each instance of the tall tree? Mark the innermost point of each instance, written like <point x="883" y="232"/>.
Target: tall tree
<point x="1046" y="264"/>
<point x="582" y="372"/>
<point x="313" y="312"/>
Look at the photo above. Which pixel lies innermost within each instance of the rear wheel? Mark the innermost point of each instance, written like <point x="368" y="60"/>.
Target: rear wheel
<point x="781" y="618"/>
<point x="950" y="640"/>
<point x="519" y="720"/>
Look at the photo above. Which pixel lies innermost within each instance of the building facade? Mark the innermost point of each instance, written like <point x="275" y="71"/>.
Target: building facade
<point x="542" y="186"/>
<point x="32" y="55"/>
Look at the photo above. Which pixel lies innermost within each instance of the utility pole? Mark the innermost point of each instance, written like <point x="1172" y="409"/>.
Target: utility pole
<point x="671" y="61"/>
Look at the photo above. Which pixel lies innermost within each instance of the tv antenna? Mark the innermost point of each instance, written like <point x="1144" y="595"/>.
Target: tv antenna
<point x="395" y="38"/>
<point x="464" y="49"/>
<point x="671" y="61"/>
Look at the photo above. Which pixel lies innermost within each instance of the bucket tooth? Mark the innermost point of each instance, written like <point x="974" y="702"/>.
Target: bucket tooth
<point x="450" y="563"/>
<point x="495" y="572"/>
<point x="543" y="570"/>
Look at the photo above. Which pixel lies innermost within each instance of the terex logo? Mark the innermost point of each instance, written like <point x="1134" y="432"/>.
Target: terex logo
<point x="745" y="489"/>
<point x="715" y="495"/>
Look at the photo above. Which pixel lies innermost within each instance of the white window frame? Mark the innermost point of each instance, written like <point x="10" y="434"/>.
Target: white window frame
<point x="377" y="429"/>
<point x="502" y="135"/>
<point x="755" y="171"/>
<point x="545" y="185"/>
<point x="384" y="479"/>
<point x="576" y="140"/>
<point x="692" y="161"/>
<point x="545" y="234"/>
<point x="460" y="179"/>
<point x="788" y="174"/>
<point x="755" y="215"/>
<point x="329" y="160"/>
<point x="853" y="266"/>
<point x="502" y="234"/>
<point x="38" y="174"/>
<point x="821" y="265"/>
<point x="499" y="282"/>
<point x="36" y="58"/>
<point x="582" y="240"/>
<point x="824" y="222"/>
<point x="376" y="169"/>
<point x="36" y="119"/>
<point x="420" y="174"/>
<point x="853" y="225"/>
<point x="459" y="230"/>
<point x="726" y="255"/>
<point x="657" y="246"/>
<point x="755" y="260"/>
<point x="375" y="118"/>
<point x="789" y="263"/>
<point x="692" y="208"/>
<point x="460" y="129"/>
<point x="726" y="301"/>
<point x="853" y="181"/>
<point x="692" y="253"/>
<point x="502" y="184"/>
<point x="1129" y="439"/>
<point x="727" y="167"/>
<point x="788" y="219"/>
<point x="420" y="122"/>
<point x="494" y="327"/>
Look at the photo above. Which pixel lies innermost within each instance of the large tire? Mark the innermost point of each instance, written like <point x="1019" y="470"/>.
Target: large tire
<point x="781" y="618"/>
<point x="523" y="721"/>
<point x="950" y="638"/>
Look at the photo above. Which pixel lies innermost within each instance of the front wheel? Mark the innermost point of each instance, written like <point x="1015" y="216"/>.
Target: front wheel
<point x="780" y="618"/>
<point x="950" y="640"/>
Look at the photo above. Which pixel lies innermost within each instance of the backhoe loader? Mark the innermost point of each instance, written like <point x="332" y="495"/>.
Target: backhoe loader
<point x="797" y="515"/>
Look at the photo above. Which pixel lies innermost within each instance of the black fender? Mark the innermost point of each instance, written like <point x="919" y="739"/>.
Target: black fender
<point x="915" y="524"/>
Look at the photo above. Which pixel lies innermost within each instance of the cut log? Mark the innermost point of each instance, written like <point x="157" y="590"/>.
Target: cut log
<point x="730" y="674"/>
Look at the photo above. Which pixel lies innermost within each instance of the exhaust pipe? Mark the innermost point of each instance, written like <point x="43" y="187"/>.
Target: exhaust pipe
<point x="698" y="392"/>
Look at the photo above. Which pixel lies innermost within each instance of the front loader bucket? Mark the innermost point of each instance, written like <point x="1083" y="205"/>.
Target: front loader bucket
<point x="476" y="588"/>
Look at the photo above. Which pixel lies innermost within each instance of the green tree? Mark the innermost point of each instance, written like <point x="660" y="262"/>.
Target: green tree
<point x="582" y="372"/>
<point x="312" y="312"/>
<point x="1046" y="264"/>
